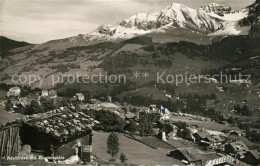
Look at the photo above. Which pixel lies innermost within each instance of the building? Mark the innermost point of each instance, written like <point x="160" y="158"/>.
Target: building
<point x="201" y="135"/>
<point x="237" y="149"/>
<point x="164" y="113"/>
<point x="252" y="157"/>
<point x="192" y="156"/>
<point x="225" y="161"/>
<point x="149" y="116"/>
<point x="52" y="94"/>
<point x="187" y="155"/>
<point x="215" y="142"/>
<point x="236" y="132"/>
<point x="130" y="116"/>
<point x="95" y="103"/>
<point x="56" y="133"/>
<point x="224" y="123"/>
<point x="80" y="97"/>
<point x="44" y="93"/>
<point x="155" y="114"/>
<point x="10" y="125"/>
<point x="14" y="91"/>
<point x="173" y="134"/>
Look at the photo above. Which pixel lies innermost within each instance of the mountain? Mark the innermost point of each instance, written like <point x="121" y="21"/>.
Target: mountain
<point x="9" y="44"/>
<point x="253" y="18"/>
<point x="209" y="19"/>
<point x="176" y="20"/>
<point x="177" y="39"/>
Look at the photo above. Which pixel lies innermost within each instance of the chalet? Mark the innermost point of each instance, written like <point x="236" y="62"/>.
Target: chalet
<point x="173" y="133"/>
<point x="201" y="135"/>
<point x="187" y="155"/>
<point x="236" y="132"/>
<point x="149" y="116"/>
<point x="237" y="148"/>
<point x="224" y="123"/>
<point x="10" y="125"/>
<point x="52" y="94"/>
<point x="215" y="142"/>
<point x="109" y="99"/>
<point x="164" y="113"/>
<point x="57" y="133"/>
<point x="44" y="93"/>
<point x="95" y="103"/>
<point x="130" y="116"/>
<point x="14" y="91"/>
<point x="80" y="97"/>
<point x="252" y="157"/>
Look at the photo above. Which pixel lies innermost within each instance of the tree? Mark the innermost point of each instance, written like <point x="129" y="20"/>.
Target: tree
<point x="48" y="105"/>
<point x="167" y="128"/>
<point x="231" y="120"/>
<point x="112" y="145"/>
<point x="34" y="108"/>
<point x="132" y="127"/>
<point x="123" y="158"/>
<point x="8" y="105"/>
<point x="134" y="110"/>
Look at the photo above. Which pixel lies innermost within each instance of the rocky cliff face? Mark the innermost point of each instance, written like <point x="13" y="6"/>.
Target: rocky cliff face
<point x="217" y="9"/>
<point x="176" y="15"/>
<point x="253" y="18"/>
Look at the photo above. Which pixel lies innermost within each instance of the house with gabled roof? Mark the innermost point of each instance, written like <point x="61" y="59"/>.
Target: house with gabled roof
<point x="252" y="157"/>
<point x="237" y="148"/>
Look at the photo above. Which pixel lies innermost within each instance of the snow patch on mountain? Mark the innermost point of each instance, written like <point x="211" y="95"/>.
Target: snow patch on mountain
<point x="209" y="19"/>
<point x="234" y="16"/>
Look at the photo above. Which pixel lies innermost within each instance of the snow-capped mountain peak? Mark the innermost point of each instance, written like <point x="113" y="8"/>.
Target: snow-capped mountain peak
<point x="211" y="19"/>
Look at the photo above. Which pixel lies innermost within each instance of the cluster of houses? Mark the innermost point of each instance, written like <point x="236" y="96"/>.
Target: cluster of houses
<point x="237" y="150"/>
<point x="14" y="91"/>
<point x="63" y="132"/>
<point x="49" y="93"/>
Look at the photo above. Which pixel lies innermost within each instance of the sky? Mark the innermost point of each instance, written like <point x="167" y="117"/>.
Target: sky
<point x="38" y="21"/>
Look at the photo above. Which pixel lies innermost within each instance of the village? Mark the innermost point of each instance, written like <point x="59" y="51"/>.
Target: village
<point x="46" y="128"/>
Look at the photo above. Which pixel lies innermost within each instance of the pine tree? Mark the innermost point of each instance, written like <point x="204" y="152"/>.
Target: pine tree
<point x="8" y="105"/>
<point x="112" y="145"/>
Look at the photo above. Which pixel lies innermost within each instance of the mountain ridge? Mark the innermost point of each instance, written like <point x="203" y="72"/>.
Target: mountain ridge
<point x="209" y="21"/>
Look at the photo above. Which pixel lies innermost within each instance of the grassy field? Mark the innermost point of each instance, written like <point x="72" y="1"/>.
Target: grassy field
<point x="207" y="125"/>
<point x="154" y="142"/>
<point x="136" y="152"/>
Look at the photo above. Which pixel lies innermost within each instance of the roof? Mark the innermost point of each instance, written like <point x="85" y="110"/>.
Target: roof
<point x="16" y="88"/>
<point x="130" y="115"/>
<point x="6" y="117"/>
<point x="236" y="131"/>
<point x="191" y="154"/>
<point x="217" y="137"/>
<point x="62" y="125"/>
<point x="203" y="134"/>
<point x="224" y="122"/>
<point x="52" y="92"/>
<point x="239" y="144"/>
<point x="95" y="101"/>
<point x="255" y="154"/>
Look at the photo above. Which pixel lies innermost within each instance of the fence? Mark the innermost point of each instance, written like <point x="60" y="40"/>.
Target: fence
<point x="9" y="140"/>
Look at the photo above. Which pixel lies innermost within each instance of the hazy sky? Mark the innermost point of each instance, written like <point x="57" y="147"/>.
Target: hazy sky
<point x="38" y="21"/>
